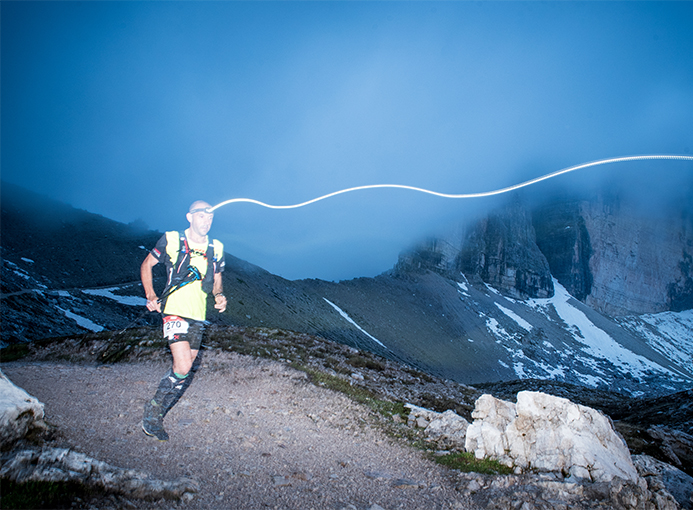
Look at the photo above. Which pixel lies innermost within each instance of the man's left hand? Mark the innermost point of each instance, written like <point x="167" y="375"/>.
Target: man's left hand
<point x="220" y="302"/>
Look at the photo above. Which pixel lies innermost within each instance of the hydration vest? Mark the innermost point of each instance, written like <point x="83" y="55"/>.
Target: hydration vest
<point x="179" y="252"/>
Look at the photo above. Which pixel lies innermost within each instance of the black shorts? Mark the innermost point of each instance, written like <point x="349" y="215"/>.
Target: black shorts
<point x="179" y="329"/>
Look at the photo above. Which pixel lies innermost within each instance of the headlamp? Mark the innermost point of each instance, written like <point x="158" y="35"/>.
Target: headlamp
<point x="207" y="210"/>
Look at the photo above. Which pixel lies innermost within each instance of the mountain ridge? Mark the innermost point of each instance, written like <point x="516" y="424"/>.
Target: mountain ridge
<point x="448" y="324"/>
<point x="603" y="248"/>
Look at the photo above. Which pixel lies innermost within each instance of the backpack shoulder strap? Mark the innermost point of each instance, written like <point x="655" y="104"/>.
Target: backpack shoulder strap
<point x="173" y="245"/>
<point x="218" y="249"/>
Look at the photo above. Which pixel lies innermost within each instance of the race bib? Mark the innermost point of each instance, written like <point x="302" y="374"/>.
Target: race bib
<point x="174" y="326"/>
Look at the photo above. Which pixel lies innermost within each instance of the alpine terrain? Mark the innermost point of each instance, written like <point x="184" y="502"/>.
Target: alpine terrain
<point x="577" y="290"/>
<point x="553" y="331"/>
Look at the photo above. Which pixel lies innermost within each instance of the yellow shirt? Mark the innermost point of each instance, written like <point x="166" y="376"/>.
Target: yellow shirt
<point x="190" y="301"/>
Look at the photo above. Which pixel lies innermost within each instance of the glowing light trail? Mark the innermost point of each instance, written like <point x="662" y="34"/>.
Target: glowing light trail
<point x="464" y="195"/>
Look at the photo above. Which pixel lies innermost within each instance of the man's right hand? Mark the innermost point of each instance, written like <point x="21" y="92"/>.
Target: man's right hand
<point x="154" y="305"/>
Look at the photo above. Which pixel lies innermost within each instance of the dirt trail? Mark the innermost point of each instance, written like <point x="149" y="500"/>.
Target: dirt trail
<point x="255" y="434"/>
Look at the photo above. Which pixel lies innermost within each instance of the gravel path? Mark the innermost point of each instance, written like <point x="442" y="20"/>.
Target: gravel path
<point x="255" y="434"/>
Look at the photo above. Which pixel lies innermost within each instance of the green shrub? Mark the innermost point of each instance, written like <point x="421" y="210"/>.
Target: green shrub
<point x="468" y="463"/>
<point x="14" y="352"/>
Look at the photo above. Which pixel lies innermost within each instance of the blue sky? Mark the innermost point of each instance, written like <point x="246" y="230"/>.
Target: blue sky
<point x="134" y="109"/>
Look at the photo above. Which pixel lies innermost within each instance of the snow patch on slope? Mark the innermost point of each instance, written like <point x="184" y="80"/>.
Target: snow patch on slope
<point x="349" y="319"/>
<point x="82" y="321"/>
<point x="519" y="320"/>
<point x="463" y="285"/>
<point x="670" y="333"/>
<point x="123" y="300"/>
<point x="597" y="343"/>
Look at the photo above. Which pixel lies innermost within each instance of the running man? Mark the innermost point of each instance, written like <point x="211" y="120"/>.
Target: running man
<point x="194" y="264"/>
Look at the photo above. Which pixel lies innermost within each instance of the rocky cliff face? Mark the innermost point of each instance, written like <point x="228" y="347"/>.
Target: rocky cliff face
<point x="616" y="257"/>
<point x="641" y="264"/>
<point x="607" y="252"/>
<point x="501" y="249"/>
<point x="564" y="240"/>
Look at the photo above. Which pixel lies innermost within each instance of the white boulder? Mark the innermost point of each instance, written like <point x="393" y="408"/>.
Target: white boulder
<point x="448" y="427"/>
<point x="420" y="416"/>
<point x="549" y="434"/>
<point x="486" y="435"/>
<point x="19" y="413"/>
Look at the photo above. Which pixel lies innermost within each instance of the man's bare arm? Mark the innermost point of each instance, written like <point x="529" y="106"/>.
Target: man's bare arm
<point x="148" y="283"/>
<point x="219" y="298"/>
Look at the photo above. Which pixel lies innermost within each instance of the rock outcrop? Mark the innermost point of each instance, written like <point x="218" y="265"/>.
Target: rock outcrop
<point x="20" y="413"/>
<point x="663" y="479"/>
<point x="565" y="456"/>
<point x="675" y="444"/>
<point x="65" y="465"/>
<point x="549" y="434"/>
<point x="448" y="429"/>
<point x="547" y="491"/>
